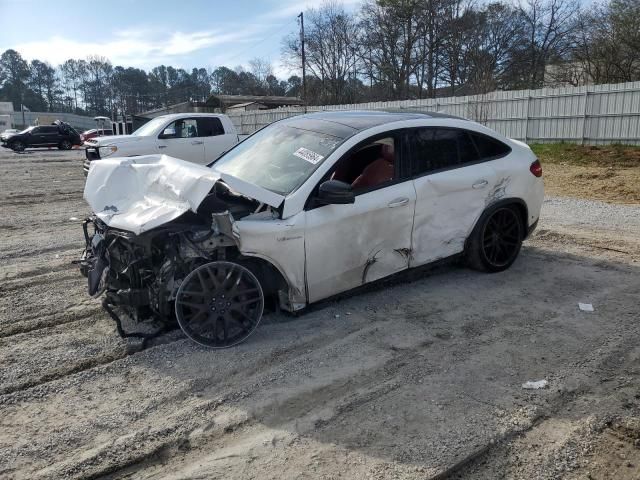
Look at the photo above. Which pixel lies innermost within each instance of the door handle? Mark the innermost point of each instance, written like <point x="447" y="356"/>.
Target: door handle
<point x="398" y="202"/>
<point x="480" y="184"/>
<point x="197" y="142"/>
<point x="162" y="146"/>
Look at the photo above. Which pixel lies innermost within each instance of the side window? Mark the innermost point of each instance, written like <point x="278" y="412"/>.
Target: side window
<point x="371" y="165"/>
<point x="434" y="149"/>
<point x="49" y="130"/>
<point x="183" y="128"/>
<point x="36" y="131"/>
<point x="489" y="147"/>
<point x="210" y="127"/>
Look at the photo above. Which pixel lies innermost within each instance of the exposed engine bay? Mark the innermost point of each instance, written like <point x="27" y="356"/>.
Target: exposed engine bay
<point x="142" y="274"/>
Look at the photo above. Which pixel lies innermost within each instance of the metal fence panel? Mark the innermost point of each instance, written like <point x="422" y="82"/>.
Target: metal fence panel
<point x="596" y="114"/>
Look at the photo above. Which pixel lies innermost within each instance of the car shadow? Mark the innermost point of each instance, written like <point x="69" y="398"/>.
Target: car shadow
<point x="423" y="370"/>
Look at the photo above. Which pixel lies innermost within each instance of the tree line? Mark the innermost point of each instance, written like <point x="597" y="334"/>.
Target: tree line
<point x="93" y="86"/>
<point x="382" y="50"/>
<point x="405" y="49"/>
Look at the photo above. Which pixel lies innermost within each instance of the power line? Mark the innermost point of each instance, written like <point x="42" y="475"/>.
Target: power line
<point x="276" y="31"/>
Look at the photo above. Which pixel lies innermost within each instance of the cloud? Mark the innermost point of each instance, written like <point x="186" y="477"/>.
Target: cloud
<point x="139" y="47"/>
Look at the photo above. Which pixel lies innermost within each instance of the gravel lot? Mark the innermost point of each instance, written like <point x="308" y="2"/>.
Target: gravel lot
<point x="417" y="377"/>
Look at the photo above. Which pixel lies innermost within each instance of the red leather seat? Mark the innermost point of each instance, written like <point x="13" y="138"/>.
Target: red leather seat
<point x="378" y="171"/>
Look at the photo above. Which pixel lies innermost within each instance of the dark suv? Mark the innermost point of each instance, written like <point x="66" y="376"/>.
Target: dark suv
<point x="59" y="135"/>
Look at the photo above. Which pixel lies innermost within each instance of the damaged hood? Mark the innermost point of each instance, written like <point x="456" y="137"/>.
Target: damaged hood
<point x="141" y="193"/>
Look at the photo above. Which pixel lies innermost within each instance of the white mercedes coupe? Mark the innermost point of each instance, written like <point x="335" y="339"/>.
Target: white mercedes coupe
<point x="306" y="208"/>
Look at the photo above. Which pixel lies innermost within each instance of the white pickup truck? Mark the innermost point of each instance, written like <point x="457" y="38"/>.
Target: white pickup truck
<point x="194" y="137"/>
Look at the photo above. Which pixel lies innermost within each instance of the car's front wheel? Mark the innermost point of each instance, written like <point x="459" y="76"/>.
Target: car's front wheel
<point x="496" y="240"/>
<point x="65" y="145"/>
<point x="17" y="146"/>
<point x="219" y="304"/>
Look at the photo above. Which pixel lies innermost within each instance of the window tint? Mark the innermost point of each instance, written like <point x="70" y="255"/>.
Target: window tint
<point x="210" y="127"/>
<point x="439" y="148"/>
<point x="48" y="130"/>
<point x="489" y="147"/>
<point x="184" y="128"/>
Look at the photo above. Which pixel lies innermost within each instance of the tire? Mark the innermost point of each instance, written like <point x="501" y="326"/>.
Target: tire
<point x="219" y="304"/>
<point x="496" y="240"/>
<point x="17" y="146"/>
<point x="65" y="145"/>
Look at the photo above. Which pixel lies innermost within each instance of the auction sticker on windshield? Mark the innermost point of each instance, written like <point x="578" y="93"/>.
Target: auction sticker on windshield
<point x="308" y="155"/>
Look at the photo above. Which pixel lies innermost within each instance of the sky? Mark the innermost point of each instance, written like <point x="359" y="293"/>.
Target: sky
<point x="148" y="33"/>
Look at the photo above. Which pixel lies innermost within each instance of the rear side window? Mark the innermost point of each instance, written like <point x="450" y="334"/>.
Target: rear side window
<point x="489" y="147"/>
<point x="210" y="127"/>
<point x="47" y="129"/>
<point x="435" y="149"/>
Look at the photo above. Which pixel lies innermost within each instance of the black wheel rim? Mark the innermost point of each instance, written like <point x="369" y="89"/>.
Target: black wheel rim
<point x="219" y="304"/>
<point x="501" y="237"/>
<point x="18" y="146"/>
<point x="66" y="145"/>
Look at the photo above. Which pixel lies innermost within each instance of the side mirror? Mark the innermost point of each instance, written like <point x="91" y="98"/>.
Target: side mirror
<point x="335" y="192"/>
<point x="167" y="133"/>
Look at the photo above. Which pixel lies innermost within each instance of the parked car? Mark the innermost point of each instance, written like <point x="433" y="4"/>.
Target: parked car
<point x="59" y="134"/>
<point x="94" y="132"/>
<point x="194" y="137"/>
<point x="304" y="209"/>
<point x="7" y="133"/>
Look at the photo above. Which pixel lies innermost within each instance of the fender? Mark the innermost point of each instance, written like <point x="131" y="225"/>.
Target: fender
<point x="503" y="202"/>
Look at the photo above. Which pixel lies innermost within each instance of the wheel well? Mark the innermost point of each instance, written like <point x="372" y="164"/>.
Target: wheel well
<point x="524" y="216"/>
<point x="269" y="276"/>
<point x="517" y="203"/>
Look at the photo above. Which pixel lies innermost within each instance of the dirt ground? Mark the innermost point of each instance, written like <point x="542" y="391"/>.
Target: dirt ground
<point x="610" y="173"/>
<point x="418" y="377"/>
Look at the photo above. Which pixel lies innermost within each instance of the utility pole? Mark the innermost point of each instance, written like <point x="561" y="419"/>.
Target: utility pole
<point x="304" y="70"/>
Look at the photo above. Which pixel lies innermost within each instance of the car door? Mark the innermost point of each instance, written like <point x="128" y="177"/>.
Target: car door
<point x="216" y="140"/>
<point x="49" y="136"/>
<point x="452" y="189"/>
<point x="352" y="244"/>
<point x="180" y="139"/>
<point x="36" y="137"/>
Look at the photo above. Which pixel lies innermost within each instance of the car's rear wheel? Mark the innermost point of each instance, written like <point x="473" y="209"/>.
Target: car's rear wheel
<point x="65" y="145"/>
<point x="17" y="146"/>
<point x="496" y="241"/>
<point x="219" y="304"/>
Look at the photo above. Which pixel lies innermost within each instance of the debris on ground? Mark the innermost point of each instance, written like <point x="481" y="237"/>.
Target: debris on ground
<point x="537" y="385"/>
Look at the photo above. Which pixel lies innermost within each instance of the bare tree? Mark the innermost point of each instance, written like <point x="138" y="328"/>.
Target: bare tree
<point x="331" y="34"/>
<point x="392" y="33"/>
<point x="549" y="26"/>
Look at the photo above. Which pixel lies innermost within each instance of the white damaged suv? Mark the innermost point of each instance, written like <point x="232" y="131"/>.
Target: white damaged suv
<point x="304" y="209"/>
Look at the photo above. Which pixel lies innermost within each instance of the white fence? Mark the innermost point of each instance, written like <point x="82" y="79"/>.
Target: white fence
<point x="596" y="114"/>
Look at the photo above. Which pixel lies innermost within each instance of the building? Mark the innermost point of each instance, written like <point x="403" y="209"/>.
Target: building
<point x="223" y="102"/>
<point x="247" y="107"/>
<point x="218" y="104"/>
<point x="6" y="108"/>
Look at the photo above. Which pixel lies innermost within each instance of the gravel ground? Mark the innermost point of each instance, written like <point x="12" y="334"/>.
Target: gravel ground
<point x="416" y="377"/>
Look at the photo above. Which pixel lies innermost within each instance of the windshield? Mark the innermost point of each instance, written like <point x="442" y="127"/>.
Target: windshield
<point x="279" y="157"/>
<point x="149" y="127"/>
<point x="28" y="129"/>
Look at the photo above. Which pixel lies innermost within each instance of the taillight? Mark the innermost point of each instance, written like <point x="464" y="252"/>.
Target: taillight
<point x="536" y="168"/>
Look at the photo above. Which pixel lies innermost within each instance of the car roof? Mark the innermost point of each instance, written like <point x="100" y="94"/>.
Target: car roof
<point x="344" y="123"/>
<point x="171" y="116"/>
